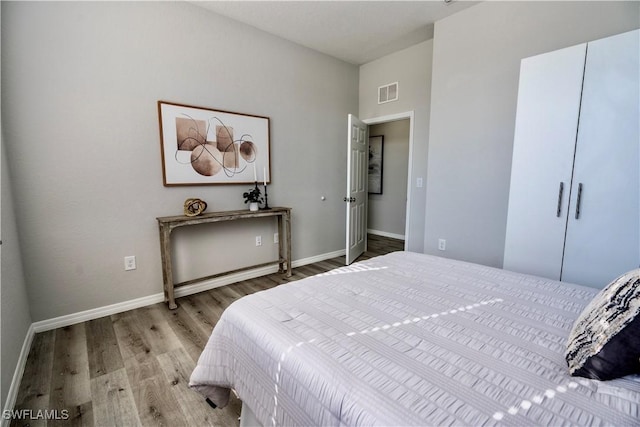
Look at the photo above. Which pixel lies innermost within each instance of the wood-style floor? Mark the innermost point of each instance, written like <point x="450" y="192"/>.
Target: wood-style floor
<point x="133" y="368"/>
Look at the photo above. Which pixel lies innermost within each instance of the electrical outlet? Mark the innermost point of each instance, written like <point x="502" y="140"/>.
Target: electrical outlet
<point x="258" y="240"/>
<point x="129" y="263"/>
<point x="442" y="244"/>
<point x="276" y="238"/>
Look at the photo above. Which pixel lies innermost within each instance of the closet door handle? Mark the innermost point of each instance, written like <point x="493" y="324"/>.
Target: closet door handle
<point x="579" y="199"/>
<point x="560" y="191"/>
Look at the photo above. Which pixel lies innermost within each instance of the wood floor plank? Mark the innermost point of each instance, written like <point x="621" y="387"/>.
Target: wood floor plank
<point x="177" y="367"/>
<point x="151" y="392"/>
<point x="229" y="294"/>
<point x="102" y="347"/>
<point x="260" y="284"/>
<point x="193" y="339"/>
<point x="203" y="310"/>
<point x="302" y="273"/>
<point x="35" y="386"/>
<point x="113" y="402"/>
<point x="78" y="416"/>
<point x="327" y="266"/>
<point x="70" y="373"/>
<point x="153" y="324"/>
<point x="243" y="287"/>
<point x="131" y="338"/>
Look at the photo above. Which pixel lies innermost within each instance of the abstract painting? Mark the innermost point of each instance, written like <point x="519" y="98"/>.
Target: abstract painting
<point x="376" y="144"/>
<point x="203" y="146"/>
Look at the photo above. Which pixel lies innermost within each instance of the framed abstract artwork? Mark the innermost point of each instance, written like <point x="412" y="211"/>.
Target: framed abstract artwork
<point x="204" y="146"/>
<point x="376" y="144"/>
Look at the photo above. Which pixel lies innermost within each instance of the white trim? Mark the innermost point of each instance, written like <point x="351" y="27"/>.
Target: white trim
<point x="385" y="234"/>
<point x="96" y="313"/>
<point x="12" y="395"/>
<point x="318" y="258"/>
<point x="391" y="118"/>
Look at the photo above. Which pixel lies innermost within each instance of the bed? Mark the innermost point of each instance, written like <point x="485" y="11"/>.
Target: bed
<point x="410" y="339"/>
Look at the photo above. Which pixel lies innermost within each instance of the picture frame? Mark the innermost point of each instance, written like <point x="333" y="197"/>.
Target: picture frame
<point x="376" y="151"/>
<point x="206" y="146"/>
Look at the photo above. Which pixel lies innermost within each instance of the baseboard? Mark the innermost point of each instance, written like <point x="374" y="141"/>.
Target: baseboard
<point x="17" y="374"/>
<point x="96" y="313"/>
<point x="385" y="234"/>
<point x="318" y="258"/>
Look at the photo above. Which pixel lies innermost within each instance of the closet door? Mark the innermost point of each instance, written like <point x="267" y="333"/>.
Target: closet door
<point x="603" y="235"/>
<point x="544" y="143"/>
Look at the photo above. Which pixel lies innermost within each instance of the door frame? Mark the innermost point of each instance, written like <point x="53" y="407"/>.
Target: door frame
<point x="392" y="118"/>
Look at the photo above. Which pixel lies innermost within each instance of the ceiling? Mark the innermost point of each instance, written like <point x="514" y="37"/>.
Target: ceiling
<point x="353" y="31"/>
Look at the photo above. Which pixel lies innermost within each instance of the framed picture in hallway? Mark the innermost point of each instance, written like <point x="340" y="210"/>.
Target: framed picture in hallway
<point x="203" y="146"/>
<point x="376" y="144"/>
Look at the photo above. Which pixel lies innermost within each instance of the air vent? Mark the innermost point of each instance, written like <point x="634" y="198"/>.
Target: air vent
<point x="388" y="93"/>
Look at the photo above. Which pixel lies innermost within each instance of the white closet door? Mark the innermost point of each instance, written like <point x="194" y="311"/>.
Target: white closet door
<point x="604" y="241"/>
<point x="544" y="143"/>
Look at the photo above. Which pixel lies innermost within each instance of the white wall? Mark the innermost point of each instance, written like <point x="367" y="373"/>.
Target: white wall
<point x="387" y="211"/>
<point x="476" y="60"/>
<point x="411" y="68"/>
<point x="15" y="316"/>
<point x="80" y="85"/>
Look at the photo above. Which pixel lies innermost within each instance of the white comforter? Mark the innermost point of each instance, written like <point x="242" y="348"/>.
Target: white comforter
<point x="410" y="339"/>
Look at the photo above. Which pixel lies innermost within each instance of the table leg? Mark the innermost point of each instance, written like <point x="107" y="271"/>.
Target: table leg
<point x="281" y="245"/>
<point x="167" y="270"/>
<point x="287" y="233"/>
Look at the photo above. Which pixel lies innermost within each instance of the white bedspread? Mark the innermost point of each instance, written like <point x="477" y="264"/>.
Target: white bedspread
<point x="410" y="339"/>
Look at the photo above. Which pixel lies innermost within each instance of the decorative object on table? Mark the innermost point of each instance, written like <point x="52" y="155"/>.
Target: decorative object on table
<point x="266" y="198"/>
<point x="194" y="207"/>
<point x="203" y="146"/>
<point x="253" y="197"/>
<point x="376" y="144"/>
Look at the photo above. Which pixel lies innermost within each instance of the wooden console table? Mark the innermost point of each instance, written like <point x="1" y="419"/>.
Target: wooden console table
<point x="167" y="224"/>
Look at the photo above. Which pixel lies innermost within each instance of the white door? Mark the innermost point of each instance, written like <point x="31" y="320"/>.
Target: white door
<point x="356" y="199"/>
<point x="544" y="144"/>
<point x="602" y="231"/>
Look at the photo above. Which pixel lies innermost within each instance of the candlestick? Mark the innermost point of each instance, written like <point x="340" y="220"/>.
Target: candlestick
<point x="264" y="173"/>
<point x="266" y="199"/>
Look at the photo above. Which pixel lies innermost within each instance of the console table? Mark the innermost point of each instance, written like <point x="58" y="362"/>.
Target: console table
<point x="167" y="224"/>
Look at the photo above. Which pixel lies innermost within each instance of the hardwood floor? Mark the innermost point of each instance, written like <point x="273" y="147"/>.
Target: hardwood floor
<point x="133" y="368"/>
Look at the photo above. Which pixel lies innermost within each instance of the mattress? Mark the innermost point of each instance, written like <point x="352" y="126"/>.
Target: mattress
<point x="410" y="339"/>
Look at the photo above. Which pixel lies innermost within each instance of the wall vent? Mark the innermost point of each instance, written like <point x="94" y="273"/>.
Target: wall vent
<point x="388" y="93"/>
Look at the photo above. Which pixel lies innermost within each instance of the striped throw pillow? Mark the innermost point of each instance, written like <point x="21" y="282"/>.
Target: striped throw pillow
<point x="605" y="340"/>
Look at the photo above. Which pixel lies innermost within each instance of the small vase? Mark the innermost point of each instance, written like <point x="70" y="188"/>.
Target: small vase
<point x="253" y="206"/>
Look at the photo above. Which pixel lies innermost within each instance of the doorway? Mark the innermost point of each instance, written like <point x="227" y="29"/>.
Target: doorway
<point x="357" y="198"/>
<point x="398" y="194"/>
<point x="388" y="171"/>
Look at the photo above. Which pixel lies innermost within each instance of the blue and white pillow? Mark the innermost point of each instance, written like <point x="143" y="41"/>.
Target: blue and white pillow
<point x="605" y="340"/>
